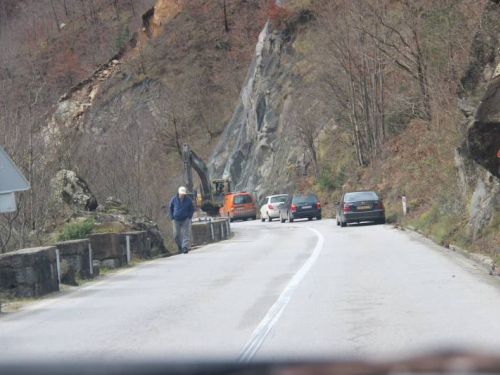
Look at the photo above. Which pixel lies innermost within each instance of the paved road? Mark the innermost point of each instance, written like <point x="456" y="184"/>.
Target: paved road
<point x="307" y="289"/>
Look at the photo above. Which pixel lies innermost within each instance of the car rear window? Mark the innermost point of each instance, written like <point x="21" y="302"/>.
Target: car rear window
<point x="305" y="199"/>
<point x="279" y="199"/>
<point x="360" y="196"/>
<point x="242" y="199"/>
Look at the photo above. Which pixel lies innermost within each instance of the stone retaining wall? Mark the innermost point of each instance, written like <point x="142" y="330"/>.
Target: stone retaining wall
<point x="203" y="232"/>
<point x="28" y="273"/>
<point x="140" y="244"/>
<point x="108" y="250"/>
<point x="76" y="261"/>
<point x="33" y="272"/>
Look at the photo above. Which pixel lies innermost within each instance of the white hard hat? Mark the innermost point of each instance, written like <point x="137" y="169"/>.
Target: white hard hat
<point x="182" y="190"/>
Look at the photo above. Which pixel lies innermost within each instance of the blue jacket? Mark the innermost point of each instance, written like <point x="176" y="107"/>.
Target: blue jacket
<point x="180" y="210"/>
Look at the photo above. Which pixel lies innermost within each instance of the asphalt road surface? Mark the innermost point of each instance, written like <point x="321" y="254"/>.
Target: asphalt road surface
<point x="274" y="291"/>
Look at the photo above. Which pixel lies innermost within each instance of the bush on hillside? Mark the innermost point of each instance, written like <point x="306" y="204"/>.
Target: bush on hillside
<point x="76" y="231"/>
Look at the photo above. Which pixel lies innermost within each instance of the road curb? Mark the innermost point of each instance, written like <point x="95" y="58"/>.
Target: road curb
<point x="483" y="261"/>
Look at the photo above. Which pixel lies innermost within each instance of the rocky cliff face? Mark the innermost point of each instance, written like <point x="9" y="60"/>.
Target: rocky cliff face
<point x="77" y="108"/>
<point x="479" y="100"/>
<point x="258" y="149"/>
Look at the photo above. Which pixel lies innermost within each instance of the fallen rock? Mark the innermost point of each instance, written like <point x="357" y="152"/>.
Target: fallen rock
<point x="70" y="193"/>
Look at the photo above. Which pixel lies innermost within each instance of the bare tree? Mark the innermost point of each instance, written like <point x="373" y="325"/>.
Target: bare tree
<point x="307" y="120"/>
<point x="55" y="16"/>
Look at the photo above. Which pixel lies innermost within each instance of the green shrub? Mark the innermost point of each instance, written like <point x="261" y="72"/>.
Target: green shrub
<point x="329" y="180"/>
<point x="326" y="178"/>
<point x="76" y="230"/>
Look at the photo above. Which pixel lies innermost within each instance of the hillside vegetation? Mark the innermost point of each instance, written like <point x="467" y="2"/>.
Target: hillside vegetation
<point x="362" y="95"/>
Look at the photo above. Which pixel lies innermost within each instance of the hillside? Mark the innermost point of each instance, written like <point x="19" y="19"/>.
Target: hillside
<point x="178" y="67"/>
<point x="324" y="96"/>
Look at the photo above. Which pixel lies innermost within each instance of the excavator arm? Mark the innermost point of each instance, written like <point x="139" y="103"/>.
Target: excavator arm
<point x="210" y="203"/>
<point x="191" y="160"/>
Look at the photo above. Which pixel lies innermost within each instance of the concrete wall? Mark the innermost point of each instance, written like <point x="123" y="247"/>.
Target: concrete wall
<point x="108" y="250"/>
<point x="29" y="272"/>
<point x="76" y="261"/>
<point x="203" y="232"/>
<point x="33" y="272"/>
<point x="140" y="244"/>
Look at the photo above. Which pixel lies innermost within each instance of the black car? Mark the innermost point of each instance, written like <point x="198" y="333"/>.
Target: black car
<point x="358" y="206"/>
<point x="300" y="206"/>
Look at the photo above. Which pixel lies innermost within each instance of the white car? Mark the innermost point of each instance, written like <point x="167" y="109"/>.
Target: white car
<point x="271" y="208"/>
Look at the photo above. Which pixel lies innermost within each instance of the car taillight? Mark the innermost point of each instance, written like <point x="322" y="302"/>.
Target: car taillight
<point x="380" y="205"/>
<point x="270" y="206"/>
<point x="346" y="208"/>
<point x="318" y="205"/>
<point x="293" y="207"/>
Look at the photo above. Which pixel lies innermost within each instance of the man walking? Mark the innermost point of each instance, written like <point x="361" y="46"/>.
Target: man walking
<point x="181" y="212"/>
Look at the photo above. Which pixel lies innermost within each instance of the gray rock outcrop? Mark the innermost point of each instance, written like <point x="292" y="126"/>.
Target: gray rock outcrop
<point x="257" y="149"/>
<point x="73" y="199"/>
<point x="70" y="193"/>
<point x="479" y="100"/>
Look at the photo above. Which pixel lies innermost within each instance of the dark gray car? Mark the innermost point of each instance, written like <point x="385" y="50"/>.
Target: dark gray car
<point x="358" y="206"/>
<point x="300" y="206"/>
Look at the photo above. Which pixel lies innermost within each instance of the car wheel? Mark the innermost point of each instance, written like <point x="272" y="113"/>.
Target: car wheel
<point x="309" y="218"/>
<point x="381" y="221"/>
<point x="342" y="224"/>
<point x="269" y="218"/>
<point x="281" y="218"/>
<point x="254" y="217"/>
<point x="290" y="217"/>
<point x="262" y="218"/>
<point x="318" y="217"/>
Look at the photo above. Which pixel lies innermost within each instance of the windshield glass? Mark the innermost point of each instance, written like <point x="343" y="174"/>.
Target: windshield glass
<point x="242" y="199"/>
<point x="279" y="199"/>
<point x="188" y="179"/>
<point x="360" y="196"/>
<point x="305" y="199"/>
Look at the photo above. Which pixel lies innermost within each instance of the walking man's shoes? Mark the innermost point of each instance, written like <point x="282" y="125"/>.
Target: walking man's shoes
<point x="185" y="250"/>
<point x="180" y="249"/>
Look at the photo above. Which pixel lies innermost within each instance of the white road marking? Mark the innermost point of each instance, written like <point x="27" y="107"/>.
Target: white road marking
<point x="274" y="313"/>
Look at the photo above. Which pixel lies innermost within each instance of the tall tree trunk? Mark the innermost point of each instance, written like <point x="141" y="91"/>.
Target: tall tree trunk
<point x="423" y="82"/>
<point x="382" y="105"/>
<point x="84" y="12"/>
<point x="117" y="12"/>
<point x="131" y="2"/>
<point x="55" y="15"/>
<point x="366" y="108"/>
<point x="226" y="25"/>
<point x="66" y="12"/>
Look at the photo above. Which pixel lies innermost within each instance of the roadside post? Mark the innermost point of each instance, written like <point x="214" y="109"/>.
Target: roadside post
<point x="58" y="266"/>
<point x="11" y="180"/>
<point x="91" y="261"/>
<point x="128" y="249"/>
<point x="405" y="208"/>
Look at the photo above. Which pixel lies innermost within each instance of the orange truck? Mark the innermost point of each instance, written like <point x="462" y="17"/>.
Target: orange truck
<point x="239" y="206"/>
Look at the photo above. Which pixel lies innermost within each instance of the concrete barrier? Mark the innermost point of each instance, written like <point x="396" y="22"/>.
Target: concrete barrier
<point x="108" y="250"/>
<point x="203" y="232"/>
<point x="29" y="273"/>
<point x="76" y="261"/>
<point x="140" y="247"/>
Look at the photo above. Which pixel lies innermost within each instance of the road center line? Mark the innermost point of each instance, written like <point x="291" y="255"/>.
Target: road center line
<point x="274" y="313"/>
